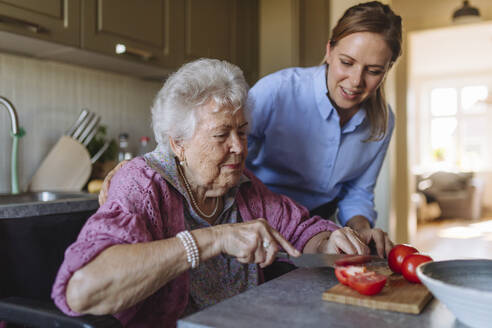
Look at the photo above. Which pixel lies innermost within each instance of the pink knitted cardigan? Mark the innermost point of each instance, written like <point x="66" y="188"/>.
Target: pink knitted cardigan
<point x="143" y="207"/>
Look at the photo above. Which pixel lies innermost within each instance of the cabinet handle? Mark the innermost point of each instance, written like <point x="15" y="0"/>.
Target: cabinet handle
<point x="35" y="28"/>
<point x="123" y="49"/>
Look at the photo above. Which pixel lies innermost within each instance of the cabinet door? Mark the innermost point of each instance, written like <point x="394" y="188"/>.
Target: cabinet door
<point x="209" y="29"/>
<point x="51" y="20"/>
<point x="143" y="30"/>
<point x="223" y="29"/>
<point x="247" y="39"/>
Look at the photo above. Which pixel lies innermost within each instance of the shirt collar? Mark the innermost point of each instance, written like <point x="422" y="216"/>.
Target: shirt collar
<point x="356" y="120"/>
<point x="325" y="106"/>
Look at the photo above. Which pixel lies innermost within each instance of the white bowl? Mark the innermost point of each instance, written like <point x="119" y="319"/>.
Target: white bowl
<point x="464" y="286"/>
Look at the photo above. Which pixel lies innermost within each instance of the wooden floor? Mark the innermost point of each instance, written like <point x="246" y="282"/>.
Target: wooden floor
<point x="455" y="239"/>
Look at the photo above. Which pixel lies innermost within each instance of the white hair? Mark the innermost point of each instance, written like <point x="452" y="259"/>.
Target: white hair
<point x="194" y="85"/>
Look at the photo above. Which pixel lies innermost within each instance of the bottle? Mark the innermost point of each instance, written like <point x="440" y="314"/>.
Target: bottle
<point x="124" y="153"/>
<point x="144" y="146"/>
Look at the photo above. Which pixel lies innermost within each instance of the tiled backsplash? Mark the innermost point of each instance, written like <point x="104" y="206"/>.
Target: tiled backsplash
<point x="48" y="97"/>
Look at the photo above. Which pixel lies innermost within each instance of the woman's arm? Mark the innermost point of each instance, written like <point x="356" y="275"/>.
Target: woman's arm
<point x="123" y="275"/>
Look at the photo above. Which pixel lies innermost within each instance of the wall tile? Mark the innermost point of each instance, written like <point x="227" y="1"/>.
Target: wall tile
<point x="48" y="97"/>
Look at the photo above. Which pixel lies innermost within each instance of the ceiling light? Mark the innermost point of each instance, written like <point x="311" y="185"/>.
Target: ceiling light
<point x="466" y="14"/>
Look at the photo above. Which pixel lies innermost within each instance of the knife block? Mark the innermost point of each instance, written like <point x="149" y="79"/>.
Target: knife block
<point x="66" y="168"/>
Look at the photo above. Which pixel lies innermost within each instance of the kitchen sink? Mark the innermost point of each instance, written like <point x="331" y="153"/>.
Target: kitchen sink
<point x="38" y="203"/>
<point x="42" y="196"/>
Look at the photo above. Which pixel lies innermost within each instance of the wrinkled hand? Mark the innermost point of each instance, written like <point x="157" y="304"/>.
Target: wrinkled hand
<point x="103" y="194"/>
<point x="344" y="240"/>
<point x="253" y="242"/>
<point x="378" y="238"/>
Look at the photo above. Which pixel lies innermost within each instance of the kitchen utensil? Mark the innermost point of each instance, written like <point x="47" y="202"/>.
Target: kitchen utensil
<point x="100" y="152"/>
<point x="91" y="126"/>
<point x="90" y="137"/>
<point x="82" y="126"/>
<point x="398" y="294"/>
<point x="66" y="168"/>
<point x="83" y="113"/>
<point x="319" y="260"/>
<point x="464" y="286"/>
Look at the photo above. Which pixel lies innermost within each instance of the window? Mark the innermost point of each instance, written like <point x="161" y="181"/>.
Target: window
<point x="457" y="128"/>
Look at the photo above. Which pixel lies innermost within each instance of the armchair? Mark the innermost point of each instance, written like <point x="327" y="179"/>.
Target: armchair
<point x="459" y="195"/>
<point x="32" y="250"/>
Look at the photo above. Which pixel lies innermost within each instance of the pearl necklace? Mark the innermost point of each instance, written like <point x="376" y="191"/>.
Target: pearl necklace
<point x="193" y="201"/>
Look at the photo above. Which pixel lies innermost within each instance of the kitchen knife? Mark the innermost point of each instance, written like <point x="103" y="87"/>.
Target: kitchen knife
<point x="320" y="260"/>
<point x="100" y="152"/>
<point x="83" y="125"/>
<point x="93" y="125"/>
<point x="79" y="120"/>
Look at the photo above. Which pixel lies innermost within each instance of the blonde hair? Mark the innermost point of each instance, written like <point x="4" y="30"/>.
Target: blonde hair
<point x="373" y="17"/>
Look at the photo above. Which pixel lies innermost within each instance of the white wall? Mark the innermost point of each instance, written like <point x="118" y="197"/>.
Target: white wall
<point x="48" y="97"/>
<point x="278" y="35"/>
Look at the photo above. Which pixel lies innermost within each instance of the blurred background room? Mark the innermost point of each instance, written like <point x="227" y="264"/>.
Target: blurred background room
<point x="435" y="188"/>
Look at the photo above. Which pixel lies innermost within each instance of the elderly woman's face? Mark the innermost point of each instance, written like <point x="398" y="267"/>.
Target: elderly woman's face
<point x="216" y="153"/>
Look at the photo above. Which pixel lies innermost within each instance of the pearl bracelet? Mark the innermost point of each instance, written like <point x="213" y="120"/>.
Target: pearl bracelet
<point x="192" y="254"/>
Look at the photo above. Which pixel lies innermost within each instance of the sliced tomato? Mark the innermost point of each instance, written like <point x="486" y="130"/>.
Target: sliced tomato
<point x="367" y="283"/>
<point x="410" y="264"/>
<point x="354" y="260"/>
<point x="397" y="254"/>
<point x="344" y="272"/>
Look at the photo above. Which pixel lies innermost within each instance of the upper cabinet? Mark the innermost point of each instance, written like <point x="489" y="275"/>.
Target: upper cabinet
<point x="50" y="20"/>
<point x="140" y="36"/>
<point x="223" y="29"/>
<point x="142" y="31"/>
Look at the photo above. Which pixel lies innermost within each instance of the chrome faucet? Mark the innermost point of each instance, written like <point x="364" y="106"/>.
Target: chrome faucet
<point x="16" y="134"/>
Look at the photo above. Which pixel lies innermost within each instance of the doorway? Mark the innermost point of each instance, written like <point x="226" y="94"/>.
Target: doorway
<point x="450" y="139"/>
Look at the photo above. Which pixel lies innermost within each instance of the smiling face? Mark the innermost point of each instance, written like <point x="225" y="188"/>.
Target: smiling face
<point x="216" y="154"/>
<point x="357" y="65"/>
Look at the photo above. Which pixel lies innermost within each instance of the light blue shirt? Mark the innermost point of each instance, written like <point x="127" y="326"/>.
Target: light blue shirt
<point x="297" y="147"/>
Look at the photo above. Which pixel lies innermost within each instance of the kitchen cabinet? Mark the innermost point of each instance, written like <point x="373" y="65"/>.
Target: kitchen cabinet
<point x="145" y="31"/>
<point x="223" y="29"/>
<point x="50" y="20"/>
<point x="147" y="38"/>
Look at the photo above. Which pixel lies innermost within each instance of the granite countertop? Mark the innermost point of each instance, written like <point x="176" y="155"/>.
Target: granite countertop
<point x="294" y="300"/>
<point x="66" y="203"/>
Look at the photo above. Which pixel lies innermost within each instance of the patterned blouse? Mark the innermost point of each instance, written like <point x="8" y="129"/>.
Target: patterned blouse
<point x="222" y="276"/>
<point x="143" y="206"/>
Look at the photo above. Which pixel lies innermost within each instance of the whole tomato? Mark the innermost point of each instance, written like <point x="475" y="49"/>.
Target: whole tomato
<point x="397" y="254"/>
<point x="410" y="264"/>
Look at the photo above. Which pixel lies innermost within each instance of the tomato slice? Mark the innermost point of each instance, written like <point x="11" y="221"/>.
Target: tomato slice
<point x="344" y="272"/>
<point x="367" y="283"/>
<point x="354" y="260"/>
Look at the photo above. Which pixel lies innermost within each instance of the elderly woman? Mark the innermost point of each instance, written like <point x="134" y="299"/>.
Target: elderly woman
<point x="187" y="226"/>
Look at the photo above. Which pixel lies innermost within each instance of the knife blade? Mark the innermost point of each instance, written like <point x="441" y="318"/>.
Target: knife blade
<point x="83" y="113"/>
<point x="320" y="260"/>
<point x="83" y="125"/>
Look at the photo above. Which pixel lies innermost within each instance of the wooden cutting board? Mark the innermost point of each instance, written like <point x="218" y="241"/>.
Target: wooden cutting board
<point x="397" y="295"/>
